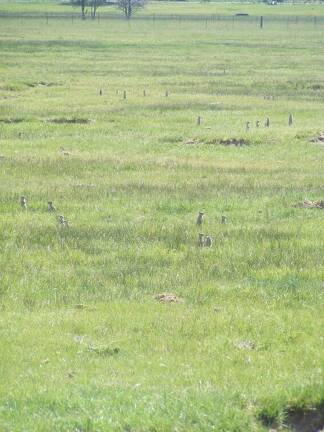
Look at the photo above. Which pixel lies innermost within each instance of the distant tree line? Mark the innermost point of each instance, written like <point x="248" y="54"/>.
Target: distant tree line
<point x="128" y="7"/>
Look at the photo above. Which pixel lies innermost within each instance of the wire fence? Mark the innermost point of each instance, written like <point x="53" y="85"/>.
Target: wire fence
<point x="260" y="21"/>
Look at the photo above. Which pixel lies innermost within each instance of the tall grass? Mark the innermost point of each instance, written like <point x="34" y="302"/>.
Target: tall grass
<point x="84" y="345"/>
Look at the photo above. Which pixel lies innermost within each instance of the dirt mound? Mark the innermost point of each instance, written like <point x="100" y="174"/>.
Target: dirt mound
<point x="233" y="141"/>
<point x="246" y="344"/>
<point x="319" y="204"/>
<point x="192" y="141"/>
<point x="72" y="120"/>
<point x="319" y="139"/>
<point x="228" y="141"/>
<point x="238" y="142"/>
<point x="42" y="84"/>
<point x="168" y="298"/>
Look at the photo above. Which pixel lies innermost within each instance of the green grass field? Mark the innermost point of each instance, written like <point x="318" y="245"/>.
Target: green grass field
<point x="174" y="8"/>
<point x="84" y="344"/>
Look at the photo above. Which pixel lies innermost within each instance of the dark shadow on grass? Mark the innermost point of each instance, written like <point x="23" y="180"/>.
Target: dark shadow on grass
<point x="13" y="120"/>
<point x="42" y="84"/>
<point x="297" y="419"/>
<point x="305" y="419"/>
<point x="190" y="105"/>
<point x="72" y="120"/>
<point x="238" y="142"/>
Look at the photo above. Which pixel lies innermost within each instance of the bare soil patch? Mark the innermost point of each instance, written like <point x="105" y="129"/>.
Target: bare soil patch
<point x="238" y="142"/>
<point x="306" y="420"/>
<point x="231" y="141"/>
<point x="168" y="298"/>
<point x="73" y="120"/>
<point x="193" y="141"/>
<point x="42" y="84"/>
<point x="246" y="344"/>
<point x="319" y="139"/>
<point x="297" y="419"/>
<point x="319" y="204"/>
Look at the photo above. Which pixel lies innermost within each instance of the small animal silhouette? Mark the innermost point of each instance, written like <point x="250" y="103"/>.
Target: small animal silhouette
<point x="267" y="122"/>
<point x="63" y="221"/>
<point x="257" y="124"/>
<point x="23" y="202"/>
<point x="51" y="207"/>
<point x="208" y="241"/>
<point x="200" y="218"/>
<point x="224" y="220"/>
<point x="248" y="125"/>
<point x="290" y="120"/>
<point x="201" y="240"/>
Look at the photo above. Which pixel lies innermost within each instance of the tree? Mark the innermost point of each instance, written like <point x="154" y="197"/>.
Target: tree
<point x="83" y="11"/>
<point x="130" y="6"/>
<point x="82" y="4"/>
<point x="93" y="4"/>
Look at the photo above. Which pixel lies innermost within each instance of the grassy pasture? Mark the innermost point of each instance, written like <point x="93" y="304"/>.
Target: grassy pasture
<point x="84" y="345"/>
<point x="176" y="8"/>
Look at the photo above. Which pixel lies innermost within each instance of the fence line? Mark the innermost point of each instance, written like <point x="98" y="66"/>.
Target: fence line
<point x="261" y="21"/>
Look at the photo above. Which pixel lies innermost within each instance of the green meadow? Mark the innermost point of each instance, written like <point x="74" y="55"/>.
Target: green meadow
<point x="301" y="10"/>
<point x="85" y="346"/>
